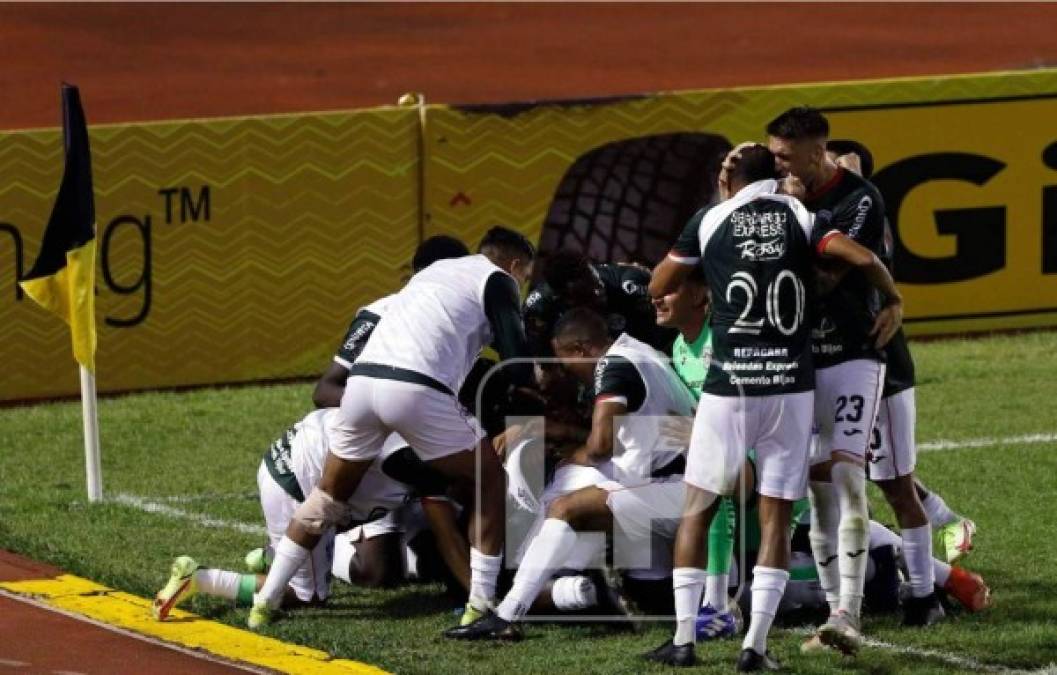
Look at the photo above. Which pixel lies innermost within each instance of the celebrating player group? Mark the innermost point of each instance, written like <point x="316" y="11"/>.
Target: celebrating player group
<point x="632" y="426"/>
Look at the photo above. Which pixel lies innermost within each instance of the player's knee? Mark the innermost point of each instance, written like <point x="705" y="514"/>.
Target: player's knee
<point x="320" y="512"/>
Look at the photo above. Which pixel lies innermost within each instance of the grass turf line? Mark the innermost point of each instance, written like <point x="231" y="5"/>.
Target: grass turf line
<point x="206" y="445"/>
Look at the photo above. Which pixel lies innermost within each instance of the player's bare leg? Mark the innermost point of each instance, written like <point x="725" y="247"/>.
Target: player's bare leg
<point x="923" y="608"/>
<point x="480" y="468"/>
<point x="322" y="510"/>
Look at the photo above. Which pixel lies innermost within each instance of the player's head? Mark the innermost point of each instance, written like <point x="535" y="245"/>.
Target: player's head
<point x="573" y="279"/>
<point x="797" y="138"/>
<point x="438" y="247"/>
<point x="581" y="337"/>
<point x="685" y="309"/>
<point x="509" y="250"/>
<point x="756" y="163"/>
<point x="853" y="153"/>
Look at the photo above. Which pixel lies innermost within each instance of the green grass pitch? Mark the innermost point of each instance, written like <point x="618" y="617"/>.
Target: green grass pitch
<point x="198" y="452"/>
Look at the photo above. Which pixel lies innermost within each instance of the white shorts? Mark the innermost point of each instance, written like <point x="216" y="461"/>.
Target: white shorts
<point x="726" y="427"/>
<point x="893" y="452"/>
<point x="846" y="400"/>
<point x="433" y="423"/>
<point x="646" y="518"/>
<point x="312" y="579"/>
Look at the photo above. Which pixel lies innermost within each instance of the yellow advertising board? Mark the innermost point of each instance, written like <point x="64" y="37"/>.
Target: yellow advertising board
<point x="238" y="249"/>
<point x="228" y="250"/>
<point x="967" y="164"/>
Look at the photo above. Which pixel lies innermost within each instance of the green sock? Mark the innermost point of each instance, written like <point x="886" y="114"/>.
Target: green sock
<point x="247" y="587"/>
<point x="721" y="538"/>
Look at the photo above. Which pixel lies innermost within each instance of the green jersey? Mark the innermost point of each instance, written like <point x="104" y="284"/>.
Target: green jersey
<point x="691" y="360"/>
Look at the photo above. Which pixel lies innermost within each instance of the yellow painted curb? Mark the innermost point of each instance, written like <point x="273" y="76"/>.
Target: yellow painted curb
<point x="130" y="612"/>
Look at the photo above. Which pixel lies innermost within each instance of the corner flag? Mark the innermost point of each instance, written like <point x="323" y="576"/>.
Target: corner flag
<point x="63" y="278"/>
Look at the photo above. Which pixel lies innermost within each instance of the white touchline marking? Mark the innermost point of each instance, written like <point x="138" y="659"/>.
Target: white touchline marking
<point x="13" y="663"/>
<point x="950" y="659"/>
<point x="172" y="512"/>
<point x="986" y="442"/>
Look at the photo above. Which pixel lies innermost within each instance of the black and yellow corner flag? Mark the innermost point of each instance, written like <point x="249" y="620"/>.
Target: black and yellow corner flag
<point x="63" y="278"/>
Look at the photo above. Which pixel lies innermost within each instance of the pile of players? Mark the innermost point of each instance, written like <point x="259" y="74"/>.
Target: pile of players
<point x="635" y="422"/>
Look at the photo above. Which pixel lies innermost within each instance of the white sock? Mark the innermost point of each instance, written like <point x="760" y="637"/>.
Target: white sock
<point x="484" y="570"/>
<point x="941" y="571"/>
<point x="716" y="592"/>
<point x="572" y="593"/>
<point x="825" y="519"/>
<point x="917" y="550"/>
<point x="849" y="481"/>
<point x="688" y="583"/>
<point x="937" y="510"/>
<point x="546" y="552"/>
<point x="220" y="583"/>
<point x="344" y="554"/>
<point x="289" y="556"/>
<point x="768" y="585"/>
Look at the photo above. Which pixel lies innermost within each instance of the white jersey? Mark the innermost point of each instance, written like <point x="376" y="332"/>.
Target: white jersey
<point x="640" y="446"/>
<point x="436" y="325"/>
<point x="308" y="452"/>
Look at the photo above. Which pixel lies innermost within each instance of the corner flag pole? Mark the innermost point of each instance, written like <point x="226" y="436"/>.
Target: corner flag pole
<point x="62" y="279"/>
<point x="92" y="465"/>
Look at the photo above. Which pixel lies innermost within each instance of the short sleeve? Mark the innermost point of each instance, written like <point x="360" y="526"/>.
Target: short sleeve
<point x="618" y="380"/>
<point x="356" y="337"/>
<point x="687" y="248"/>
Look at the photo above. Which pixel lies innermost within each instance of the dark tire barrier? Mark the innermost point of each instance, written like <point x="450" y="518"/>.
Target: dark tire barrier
<point x="627" y="201"/>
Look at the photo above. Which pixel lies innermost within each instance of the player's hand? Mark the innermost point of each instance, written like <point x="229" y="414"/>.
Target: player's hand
<point x="852" y="162"/>
<point x="723" y="183"/>
<point x="676" y="430"/>
<point x="792" y="186"/>
<point x="887" y="323"/>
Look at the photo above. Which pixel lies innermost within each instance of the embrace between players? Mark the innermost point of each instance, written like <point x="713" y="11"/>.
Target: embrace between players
<point x="784" y="316"/>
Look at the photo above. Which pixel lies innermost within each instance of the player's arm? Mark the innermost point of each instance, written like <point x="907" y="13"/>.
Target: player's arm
<point x="451" y="544"/>
<point x="620" y="391"/>
<point x="670" y="273"/>
<point x="599" y="445"/>
<point x="835" y="244"/>
<point x="331" y="385"/>
<point x="503" y="309"/>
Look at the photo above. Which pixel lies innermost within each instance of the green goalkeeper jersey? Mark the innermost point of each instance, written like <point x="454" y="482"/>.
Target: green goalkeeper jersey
<point x="691" y="359"/>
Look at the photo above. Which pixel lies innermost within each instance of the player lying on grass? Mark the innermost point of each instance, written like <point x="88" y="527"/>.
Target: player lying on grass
<point x="291" y="468"/>
<point x="628" y="472"/>
<point x="404" y="382"/>
<point x="893" y="452"/>
<point x="757" y="246"/>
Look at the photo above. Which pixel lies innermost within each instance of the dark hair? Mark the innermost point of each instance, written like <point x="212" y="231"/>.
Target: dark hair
<point x="505" y="241"/>
<point x="843" y="146"/>
<point x="756" y="163"/>
<point x="565" y="267"/>
<point x="797" y="123"/>
<point x="438" y="247"/>
<point x="581" y="325"/>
